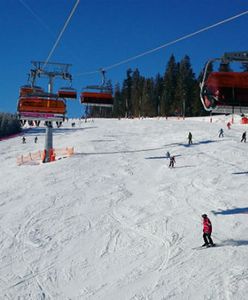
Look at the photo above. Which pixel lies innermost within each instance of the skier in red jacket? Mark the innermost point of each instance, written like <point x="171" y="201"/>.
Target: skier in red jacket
<point x="207" y="230"/>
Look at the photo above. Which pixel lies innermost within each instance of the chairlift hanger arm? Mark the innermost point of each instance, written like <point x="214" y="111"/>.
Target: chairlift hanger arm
<point x="103" y="72"/>
<point x="50" y="70"/>
<point x="235" y="56"/>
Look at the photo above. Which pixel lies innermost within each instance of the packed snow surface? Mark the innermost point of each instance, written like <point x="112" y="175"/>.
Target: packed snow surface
<point x="114" y="222"/>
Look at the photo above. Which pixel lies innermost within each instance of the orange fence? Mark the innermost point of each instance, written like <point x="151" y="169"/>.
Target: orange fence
<point x="37" y="157"/>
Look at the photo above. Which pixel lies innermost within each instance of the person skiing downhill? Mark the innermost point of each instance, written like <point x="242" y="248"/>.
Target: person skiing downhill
<point x="207" y="231"/>
<point x="221" y="133"/>
<point x="243" y="139"/>
<point x="190" y="138"/>
<point x="172" y="162"/>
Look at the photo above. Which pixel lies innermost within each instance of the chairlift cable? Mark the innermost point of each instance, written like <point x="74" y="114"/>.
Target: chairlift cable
<point x="168" y="44"/>
<point x="61" y="33"/>
<point x="36" y="16"/>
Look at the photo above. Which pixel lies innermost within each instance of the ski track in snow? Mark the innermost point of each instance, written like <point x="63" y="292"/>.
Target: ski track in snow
<point x="114" y="222"/>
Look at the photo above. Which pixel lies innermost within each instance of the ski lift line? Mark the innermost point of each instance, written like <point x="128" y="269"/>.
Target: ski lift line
<point x="61" y="33"/>
<point x="36" y="16"/>
<point x="177" y="40"/>
<point x="169" y="43"/>
<point x="87" y="73"/>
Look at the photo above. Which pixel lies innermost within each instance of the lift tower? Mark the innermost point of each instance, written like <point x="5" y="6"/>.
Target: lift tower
<point x="50" y="70"/>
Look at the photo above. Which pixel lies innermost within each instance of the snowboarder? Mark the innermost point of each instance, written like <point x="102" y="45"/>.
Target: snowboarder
<point x="172" y="162"/>
<point x="35" y="139"/>
<point x="207" y="230"/>
<point x="190" y="138"/>
<point x="243" y="139"/>
<point x="24" y="140"/>
<point x="221" y="133"/>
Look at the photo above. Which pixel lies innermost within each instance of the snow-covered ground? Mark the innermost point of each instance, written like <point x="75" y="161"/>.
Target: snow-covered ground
<point x="114" y="222"/>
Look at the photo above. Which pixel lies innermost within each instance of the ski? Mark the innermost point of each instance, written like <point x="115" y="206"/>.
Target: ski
<point x="204" y="247"/>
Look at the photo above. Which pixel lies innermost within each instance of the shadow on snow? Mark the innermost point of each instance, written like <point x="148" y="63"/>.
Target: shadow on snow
<point x="161" y="157"/>
<point x="234" y="211"/>
<point x="42" y="130"/>
<point x="234" y="243"/>
<point x="198" y="143"/>
<point x="118" y="152"/>
<point x="240" y="173"/>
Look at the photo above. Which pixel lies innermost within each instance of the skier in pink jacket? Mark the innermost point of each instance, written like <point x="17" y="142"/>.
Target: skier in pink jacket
<point x="207" y="230"/>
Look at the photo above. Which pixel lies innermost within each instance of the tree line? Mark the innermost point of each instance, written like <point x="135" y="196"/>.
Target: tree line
<point x="9" y="124"/>
<point x="174" y="93"/>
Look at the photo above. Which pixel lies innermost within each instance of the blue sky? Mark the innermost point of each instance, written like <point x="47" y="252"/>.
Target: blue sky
<point x="105" y="32"/>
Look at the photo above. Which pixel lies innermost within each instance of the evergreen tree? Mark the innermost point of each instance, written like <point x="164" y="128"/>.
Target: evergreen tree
<point x="158" y="93"/>
<point x="170" y="81"/>
<point x="9" y="124"/>
<point x="126" y="93"/>
<point x="177" y="92"/>
<point x="185" y="88"/>
<point x="137" y="93"/>
<point x="148" y="105"/>
<point x="119" y="103"/>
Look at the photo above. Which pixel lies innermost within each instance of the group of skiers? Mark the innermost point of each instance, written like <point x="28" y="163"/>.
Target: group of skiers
<point x="221" y="134"/>
<point x="207" y="226"/>
<point x="243" y="137"/>
<point x="24" y="140"/>
<point x="172" y="158"/>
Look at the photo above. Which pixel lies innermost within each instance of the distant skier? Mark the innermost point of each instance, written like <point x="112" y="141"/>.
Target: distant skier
<point x="190" y="138"/>
<point x="23" y="140"/>
<point x="207" y="231"/>
<point x="172" y="162"/>
<point x="167" y="154"/>
<point x="243" y="139"/>
<point x="36" y="139"/>
<point x="228" y="125"/>
<point x="221" y="133"/>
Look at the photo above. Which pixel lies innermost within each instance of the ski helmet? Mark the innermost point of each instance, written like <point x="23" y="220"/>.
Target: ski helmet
<point x="204" y="216"/>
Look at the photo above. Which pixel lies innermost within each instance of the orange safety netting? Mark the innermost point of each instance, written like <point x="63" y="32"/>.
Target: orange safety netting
<point x="37" y="157"/>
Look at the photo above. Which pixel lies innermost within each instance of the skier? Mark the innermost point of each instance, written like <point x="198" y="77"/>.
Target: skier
<point x="24" y="140"/>
<point x="35" y="139"/>
<point x="228" y="125"/>
<point x="172" y="162"/>
<point x="167" y="154"/>
<point x="190" y="138"/>
<point x="207" y="230"/>
<point x="243" y="137"/>
<point x="221" y="133"/>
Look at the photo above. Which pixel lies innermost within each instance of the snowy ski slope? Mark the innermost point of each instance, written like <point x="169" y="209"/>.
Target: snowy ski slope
<point x="114" y="222"/>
